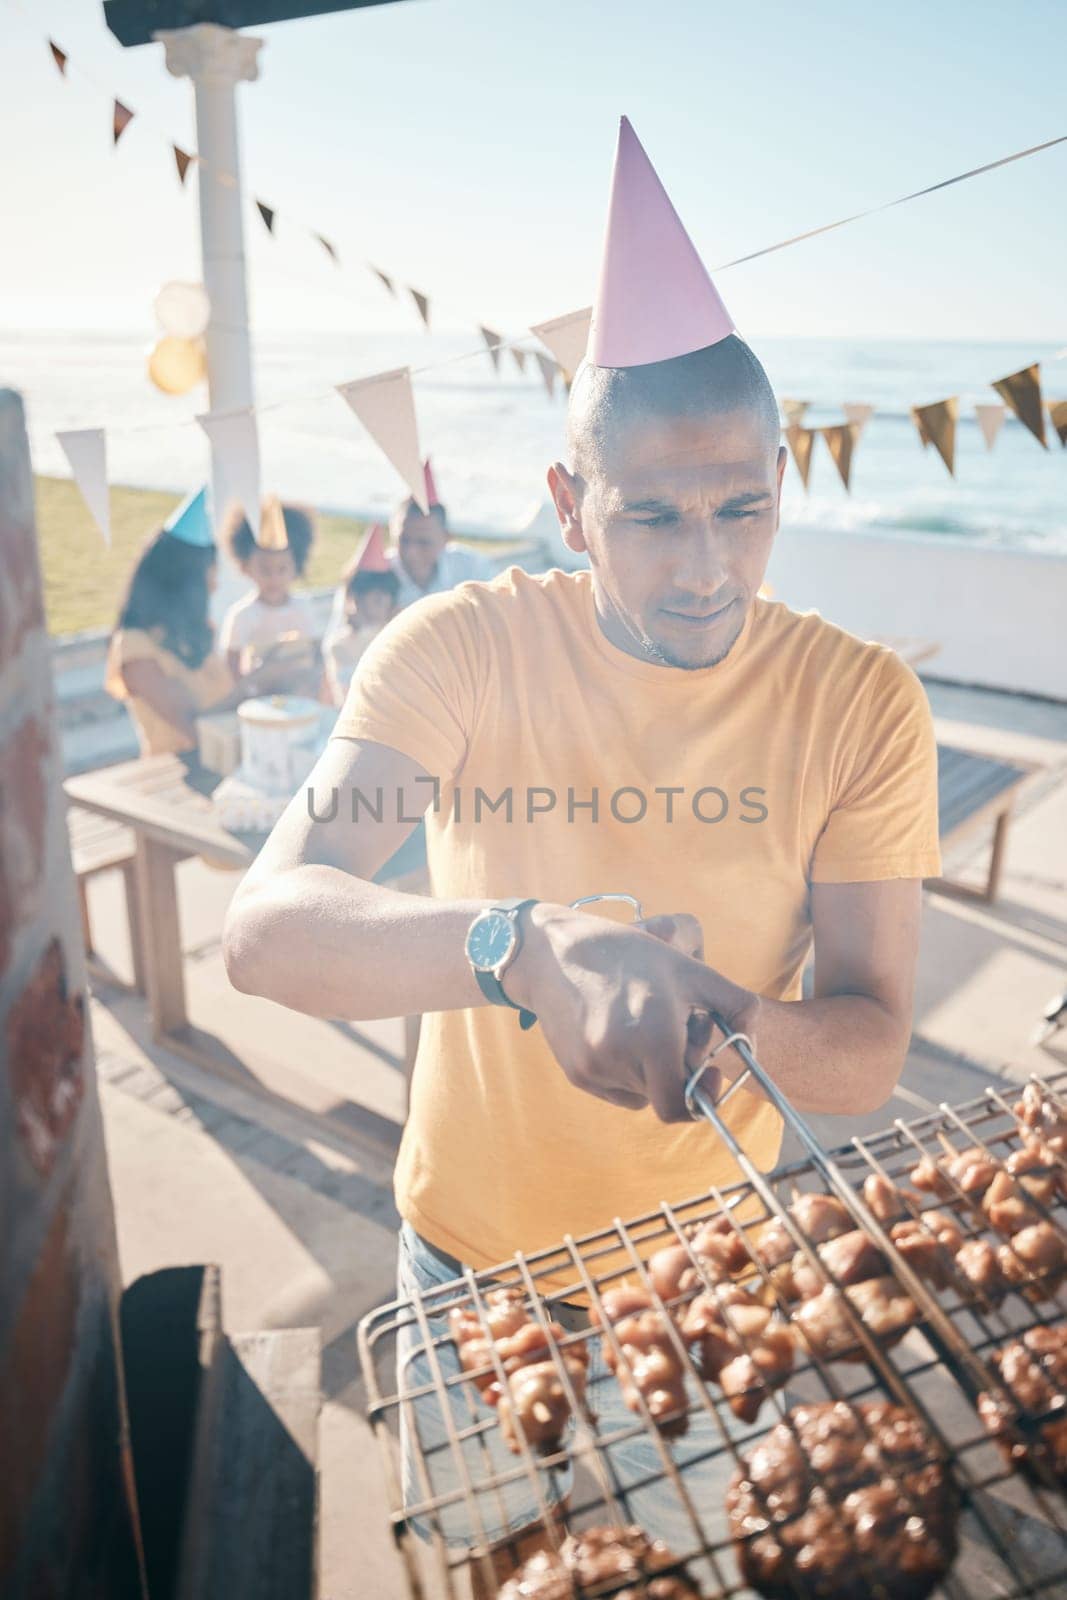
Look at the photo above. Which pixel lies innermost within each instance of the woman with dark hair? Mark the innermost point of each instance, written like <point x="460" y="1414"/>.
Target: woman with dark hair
<point x="161" y="661"/>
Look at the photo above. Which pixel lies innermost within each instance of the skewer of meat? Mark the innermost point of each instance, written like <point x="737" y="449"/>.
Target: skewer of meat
<point x="1033" y="1369"/>
<point x="649" y="1367"/>
<point x="532" y="1402"/>
<point x="824" y="1325"/>
<point x="741" y="1345"/>
<point x="719" y="1249"/>
<point x="622" y="1562"/>
<point x="842" y="1501"/>
<point x="1041" y="1119"/>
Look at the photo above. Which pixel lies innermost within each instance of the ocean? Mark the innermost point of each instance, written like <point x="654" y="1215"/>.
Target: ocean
<point x="491" y="437"/>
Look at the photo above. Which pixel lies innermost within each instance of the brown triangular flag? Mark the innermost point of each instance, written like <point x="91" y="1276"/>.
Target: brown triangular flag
<point x="330" y="249"/>
<point x="548" y="372"/>
<point x="858" y="412"/>
<point x="794" y="410"/>
<point x="519" y="357"/>
<point x="800" y="442"/>
<point x="422" y="303"/>
<point x="990" y="420"/>
<point x="1057" y="415"/>
<point x="384" y="279"/>
<point x="183" y="161"/>
<point x="59" y="57"/>
<point x="916" y="417"/>
<point x="267" y="213"/>
<point x="841" y="442"/>
<point x="493" y="341"/>
<point x="937" y="425"/>
<point x="121" y="117"/>
<point x="1021" y="392"/>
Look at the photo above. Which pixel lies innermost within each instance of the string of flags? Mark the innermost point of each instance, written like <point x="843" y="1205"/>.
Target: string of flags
<point x="935" y="423"/>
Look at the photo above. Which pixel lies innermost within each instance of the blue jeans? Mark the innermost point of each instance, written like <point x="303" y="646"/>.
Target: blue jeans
<point x="629" y="1469"/>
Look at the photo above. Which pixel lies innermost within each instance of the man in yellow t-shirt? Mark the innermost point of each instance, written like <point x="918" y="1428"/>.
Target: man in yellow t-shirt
<point x="760" y="780"/>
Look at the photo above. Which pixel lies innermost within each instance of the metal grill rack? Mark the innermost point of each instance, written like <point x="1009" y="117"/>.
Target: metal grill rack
<point x="462" y="1485"/>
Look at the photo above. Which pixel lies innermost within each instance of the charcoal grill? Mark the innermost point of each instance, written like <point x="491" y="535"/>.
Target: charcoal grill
<point x="1013" y="1532"/>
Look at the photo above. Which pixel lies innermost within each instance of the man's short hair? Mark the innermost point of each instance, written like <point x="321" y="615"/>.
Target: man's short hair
<point x="406" y="507"/>
<point x="605" y="401"/>
<point x="361" y="582"/>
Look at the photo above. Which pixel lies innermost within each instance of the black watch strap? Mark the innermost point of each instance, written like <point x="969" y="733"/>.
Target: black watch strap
<point x="490" y="984"/>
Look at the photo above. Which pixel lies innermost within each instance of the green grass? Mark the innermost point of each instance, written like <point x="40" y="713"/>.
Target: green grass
<point x="83" y="579"/>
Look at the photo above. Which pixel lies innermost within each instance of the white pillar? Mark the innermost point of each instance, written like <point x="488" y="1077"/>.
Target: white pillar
<point x="217" y="59"/>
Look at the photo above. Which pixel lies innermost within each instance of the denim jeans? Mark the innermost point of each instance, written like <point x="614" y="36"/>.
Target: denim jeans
<point x="630" y="1470"/>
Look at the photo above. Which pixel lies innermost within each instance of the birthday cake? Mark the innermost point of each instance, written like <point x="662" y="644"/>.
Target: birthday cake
<point x="282" y="736"/>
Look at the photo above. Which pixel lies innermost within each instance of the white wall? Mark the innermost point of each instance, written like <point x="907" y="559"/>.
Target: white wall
<point x="1000" y="616"/>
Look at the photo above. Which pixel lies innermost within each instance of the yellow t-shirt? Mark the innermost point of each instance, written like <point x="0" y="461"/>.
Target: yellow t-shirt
<point x="805" y="756"/>
<point x="207" y="684"/>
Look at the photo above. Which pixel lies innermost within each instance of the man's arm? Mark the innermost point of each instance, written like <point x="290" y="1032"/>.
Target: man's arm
<point x="842" y="1051"/>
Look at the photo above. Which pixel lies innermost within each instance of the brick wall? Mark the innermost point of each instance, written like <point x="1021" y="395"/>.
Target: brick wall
<point x="65" y="1517"/>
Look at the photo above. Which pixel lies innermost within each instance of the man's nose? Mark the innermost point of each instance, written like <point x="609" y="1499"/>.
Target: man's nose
<point x="701" y="566"/>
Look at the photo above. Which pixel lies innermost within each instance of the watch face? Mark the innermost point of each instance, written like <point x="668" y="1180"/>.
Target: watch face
<point x="490" y="939"/>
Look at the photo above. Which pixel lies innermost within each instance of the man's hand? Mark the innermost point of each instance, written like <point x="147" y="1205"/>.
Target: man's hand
<point x="615" y="1003"/>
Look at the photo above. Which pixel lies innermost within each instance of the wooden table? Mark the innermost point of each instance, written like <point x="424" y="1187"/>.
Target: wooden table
<point x="167" y="805"/>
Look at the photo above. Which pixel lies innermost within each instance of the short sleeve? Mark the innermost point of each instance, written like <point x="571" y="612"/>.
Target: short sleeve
<point x="883" y="822"/>
<point x="233" y="634"/>
<point x="416" y="686"/>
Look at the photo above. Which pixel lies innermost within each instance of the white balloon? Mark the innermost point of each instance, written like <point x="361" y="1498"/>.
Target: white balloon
<point x="183" y="309"/>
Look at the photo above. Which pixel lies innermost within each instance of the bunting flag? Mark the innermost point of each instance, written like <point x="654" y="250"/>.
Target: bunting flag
<point x="183" y="161"/>
<point x="841" y="442"/>
<point x="519" y="357"/>
<point x="86" y="452"/>
<point x="385" y="404"/>
<point x="267" y="213"/>
<point x="59" y="57"/>
<point x="422" y="305"/>
<point x="793" y="410"/>
<point x="567" y="338"/>
<point x="990" y="420"/>
<point x="801" y="441"/>
<point x="330" y="249"/>
<point x="937" y="426"/>
<point x="858" y="413"/>
<point x="1021" y="391"/>
<point x="493" y="342"/>
<point x="1057" y="415"/>
<point x="548" y="370"/>
<point x="121" y="117"/>
<point x="234" y="439"/>
<point x="384" y="279"/>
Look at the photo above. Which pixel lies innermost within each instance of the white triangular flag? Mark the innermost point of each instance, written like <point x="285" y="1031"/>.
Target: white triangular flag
<point x="385" y="404"/>
<point x="548" y="372"/>
<point x="858" y="413"/>
<point x="990" y="420"/>
<point x="86" y="451"/>
<point x="567" y="338"/>
<point x="234" y="440"/>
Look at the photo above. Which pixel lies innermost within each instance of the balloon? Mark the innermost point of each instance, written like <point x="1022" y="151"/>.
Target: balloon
<point x="176" y="365"/>
<point x="182" y="309"/>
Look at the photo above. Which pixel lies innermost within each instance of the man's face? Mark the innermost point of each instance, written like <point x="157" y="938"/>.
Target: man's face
<point x="678" y="522"/>
<point x="272" y="572"/>
<point x="419" y="545"/>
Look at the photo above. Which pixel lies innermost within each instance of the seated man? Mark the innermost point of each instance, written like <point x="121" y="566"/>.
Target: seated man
<point x="759" y="779"/>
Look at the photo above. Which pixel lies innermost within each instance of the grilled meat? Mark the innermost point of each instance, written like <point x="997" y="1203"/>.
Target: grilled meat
<point x="650" y="1366"/>
<point x="929" y="1244"/>
<point x="1040" y="1171"/>
<point x="719" y="1249"/>
<point x="534" y="1406"/>
<point x="740" y="1345"/>
<point x="1034" y="1371"/>
<point x="821" y="1216"/>
<point x="979" y="1268"/>
<point x="881" y="1304"/>
<point x="1008" y="1206"/>
<point x="850" y="1257"/>
<point x="971" y="1171"/>
<point x="840" y="1502"/>
<point x="595" y="1561"/>
<point x="532" y="1399"/>
<point x="883" y="1198"/>
<point x="1042" y="1119"/>
<point x="748" y="1379"/>
<point x="1035" y="1262"/>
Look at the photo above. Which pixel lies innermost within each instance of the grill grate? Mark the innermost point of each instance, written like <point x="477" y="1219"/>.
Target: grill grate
<point x="463" y="1487"/>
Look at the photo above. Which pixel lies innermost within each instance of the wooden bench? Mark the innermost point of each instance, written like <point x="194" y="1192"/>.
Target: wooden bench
<point x="972" y="790"/>
<point x="99" y="845"/>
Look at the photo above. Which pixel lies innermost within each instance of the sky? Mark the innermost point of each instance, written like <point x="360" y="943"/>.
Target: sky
<point x="465" y="146"/>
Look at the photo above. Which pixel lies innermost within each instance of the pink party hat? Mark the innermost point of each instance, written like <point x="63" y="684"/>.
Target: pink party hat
<point x="655" y="299"/>
<point x="432" y="498"/>
<point x="372" y="556"/>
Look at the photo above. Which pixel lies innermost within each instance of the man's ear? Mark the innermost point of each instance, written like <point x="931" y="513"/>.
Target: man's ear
<point x="783" y="456"/>
<point x="563" y="487"/>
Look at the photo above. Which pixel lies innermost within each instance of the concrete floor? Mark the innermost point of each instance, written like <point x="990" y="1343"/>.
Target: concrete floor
<point x="277" y="1172"/>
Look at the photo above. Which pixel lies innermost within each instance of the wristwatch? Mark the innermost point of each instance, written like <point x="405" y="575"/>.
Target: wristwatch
<point x="494" y="939"/>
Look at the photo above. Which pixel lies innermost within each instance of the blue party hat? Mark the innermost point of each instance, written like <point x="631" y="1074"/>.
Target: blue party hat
<point x="191" y="521"/>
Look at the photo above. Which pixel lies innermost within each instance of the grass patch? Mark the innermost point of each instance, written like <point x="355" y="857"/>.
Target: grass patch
<point x="83" y="579"/>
